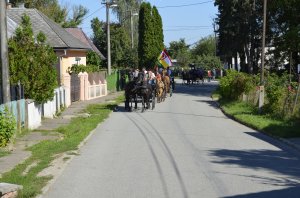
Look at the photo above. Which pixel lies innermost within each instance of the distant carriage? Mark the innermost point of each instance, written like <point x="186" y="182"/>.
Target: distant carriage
<point x="193" y="76"/>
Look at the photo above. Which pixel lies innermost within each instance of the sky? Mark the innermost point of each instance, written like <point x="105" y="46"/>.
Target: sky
<point x="188" y="19"/>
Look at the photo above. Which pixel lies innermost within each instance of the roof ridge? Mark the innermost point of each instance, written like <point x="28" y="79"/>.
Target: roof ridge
<point x="46" y="21"/>
<point x="52" y="24"/>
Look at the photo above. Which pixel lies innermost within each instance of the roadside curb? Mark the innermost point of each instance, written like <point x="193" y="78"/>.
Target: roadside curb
<point x="282" y="140"/>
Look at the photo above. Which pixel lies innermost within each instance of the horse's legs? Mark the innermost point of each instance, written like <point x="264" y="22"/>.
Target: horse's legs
<point x="153" y="100"/>
<point x="143" y="104"/>
<point x="135" y="101"/>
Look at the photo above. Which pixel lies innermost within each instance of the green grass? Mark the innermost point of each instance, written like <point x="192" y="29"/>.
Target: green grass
<point x="44" y="152"/>
<point x="4" y="153"/>
<point x="249" y="115"/>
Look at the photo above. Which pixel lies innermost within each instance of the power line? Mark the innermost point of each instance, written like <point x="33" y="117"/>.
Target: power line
<point x="186" y="29"/>
<point x="185" y="5"/>
<point x="189" y="26"/>
<point x="93" y="13"/>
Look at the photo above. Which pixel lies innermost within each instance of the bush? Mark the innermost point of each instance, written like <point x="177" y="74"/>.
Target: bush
<point x="234" y="84"/>
<point x="31" y="62"/>
<point x="7" y="127"/>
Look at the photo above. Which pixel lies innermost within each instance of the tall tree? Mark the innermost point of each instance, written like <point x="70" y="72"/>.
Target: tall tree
<point x="158" y="35"/>
<point x="32" y="63"/>
<point x="179" y="50"/>
<point x="120" y="46"/>
<point x="99" y="35"/>
<point x="239" y="20"/>
<point x="145" y="45"/>
<point x="151" y="38"/>
<point x="206" y="46"/>
<point x="77" y="17"/>
<point x="284" y="32"/>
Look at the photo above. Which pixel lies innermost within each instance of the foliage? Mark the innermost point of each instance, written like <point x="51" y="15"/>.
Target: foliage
<point x="145" y="46"/>
<point x="56" y="12"/>
<point x="205" y="47"/>
<point x="112" y="81"/>
<point x="7" y="127"/>
<point x="32" y="63"/>
<point x="276" y="94"/>
<point x="241" y="20"/>
<point x="99" y="36"/>
<point x="179" y="50"/>
<point x="122" y="55"/>
<point x="79" y="12"/>
<point x="120" y="46"/>
<point x="284" y="31"/>
<point x="150" y="36"/>
<point x="208" y="62"/>
<point x="45" y="151"/>
<point x="76" y="69"/>
<point x="125" y="12"/>
<point x="234" y="84"/>
<point x="50" y="8"/>
<point x="92" y="58"/>
<point x="158" y="35"/>
<point x="249" y="115"/>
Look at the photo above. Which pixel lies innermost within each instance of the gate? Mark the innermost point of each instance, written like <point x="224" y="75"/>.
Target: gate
<point x="75" y="88"/>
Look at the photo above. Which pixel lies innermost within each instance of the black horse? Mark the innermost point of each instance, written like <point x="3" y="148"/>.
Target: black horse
<point x="139" y="88"/>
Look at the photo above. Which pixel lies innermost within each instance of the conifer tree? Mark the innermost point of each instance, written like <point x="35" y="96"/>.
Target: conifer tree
<point x="158" y="36"/>
<point x="32" y="63"/>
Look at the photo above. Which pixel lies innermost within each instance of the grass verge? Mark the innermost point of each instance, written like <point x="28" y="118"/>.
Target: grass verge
<point x="248" y="115"/>
<point x="44" y="152"/>
<point x="4" y="153"/>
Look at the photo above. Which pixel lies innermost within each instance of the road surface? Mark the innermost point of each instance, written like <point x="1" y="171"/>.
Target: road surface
<point x="184" y="148"/>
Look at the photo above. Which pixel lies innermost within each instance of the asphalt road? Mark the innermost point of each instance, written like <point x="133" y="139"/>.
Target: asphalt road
<point x="184" y="148"/>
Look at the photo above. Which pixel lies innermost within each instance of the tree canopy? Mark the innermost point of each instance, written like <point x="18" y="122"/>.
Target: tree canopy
<point x="32" y="63"/>
<point x="150" y="36"/>
<point x="240" y="32"/>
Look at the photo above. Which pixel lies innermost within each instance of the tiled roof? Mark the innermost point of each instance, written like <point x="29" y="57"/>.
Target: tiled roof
<point x="57" y="37"/>
<point x="78" y="33"/>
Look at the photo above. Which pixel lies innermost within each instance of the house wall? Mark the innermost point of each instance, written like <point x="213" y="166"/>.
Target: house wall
<point x="70" y="59"/>
<point x="67" y="58"/>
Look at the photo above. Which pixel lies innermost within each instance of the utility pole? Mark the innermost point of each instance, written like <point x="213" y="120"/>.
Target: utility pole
<point x="261" y="87"/>
<point x="215" y="31"/>
<point x="4" y="53"/>
<point x="131" y="25"/>
<point x="108" y="5"/>
<point x="108" y="39"/>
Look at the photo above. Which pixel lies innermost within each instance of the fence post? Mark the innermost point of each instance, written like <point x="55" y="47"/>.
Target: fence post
<point x="298" y="90"/>
<point x="19" y="107"/>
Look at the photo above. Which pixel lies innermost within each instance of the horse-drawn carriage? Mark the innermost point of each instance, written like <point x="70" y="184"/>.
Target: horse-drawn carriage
<point x="140" y="89"/>
<point x="193" y="76"/>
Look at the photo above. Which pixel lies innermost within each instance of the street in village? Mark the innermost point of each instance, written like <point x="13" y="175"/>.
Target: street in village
<point x="184" y="148"/>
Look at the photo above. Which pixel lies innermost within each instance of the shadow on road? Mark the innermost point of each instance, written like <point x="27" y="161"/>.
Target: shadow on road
<point x="293" y="192"/>
<point x="284" y="161"/>
<point x="211" y="103"/>
<point x="196" y="90"/>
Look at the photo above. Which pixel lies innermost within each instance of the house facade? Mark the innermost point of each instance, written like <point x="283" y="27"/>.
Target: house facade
<point x="69" y="49"/>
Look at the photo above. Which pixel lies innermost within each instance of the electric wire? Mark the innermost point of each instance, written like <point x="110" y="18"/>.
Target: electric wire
<point x="184" y="5"/>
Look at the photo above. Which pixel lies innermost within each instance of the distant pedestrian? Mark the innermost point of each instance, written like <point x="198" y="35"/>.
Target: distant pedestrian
<point x="209" y="75"/>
